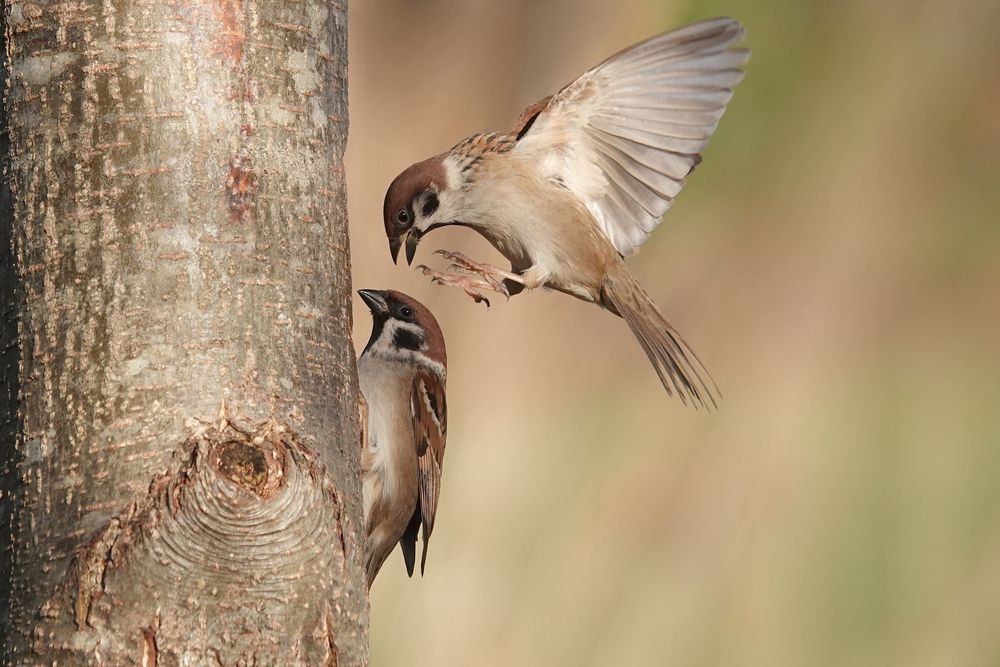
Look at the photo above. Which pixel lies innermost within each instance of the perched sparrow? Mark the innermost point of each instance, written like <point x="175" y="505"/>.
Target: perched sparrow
<point x="402" y="377"/>
<point x="581" y="181"/>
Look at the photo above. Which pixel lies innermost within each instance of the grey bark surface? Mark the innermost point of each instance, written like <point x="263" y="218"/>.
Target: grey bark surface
<point x="178" y="423"/>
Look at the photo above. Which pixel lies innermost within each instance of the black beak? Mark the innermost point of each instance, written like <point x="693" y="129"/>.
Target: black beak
<point x="394" y="244"/>
<point x="412" y="239"/>
<point x="375" y="300"/>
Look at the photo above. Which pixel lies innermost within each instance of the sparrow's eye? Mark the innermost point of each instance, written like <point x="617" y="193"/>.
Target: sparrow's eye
<point x="406" y="312"/>
<point x="403" y="216"/>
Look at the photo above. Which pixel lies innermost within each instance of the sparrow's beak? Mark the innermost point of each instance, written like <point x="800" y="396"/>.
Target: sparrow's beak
<point x="394" y="244"/>
<point x="412" y="240"/>
<point x="375" y="300"/>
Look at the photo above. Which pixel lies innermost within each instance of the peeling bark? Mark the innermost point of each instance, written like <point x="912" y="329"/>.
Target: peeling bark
<point x="175" y="219"/>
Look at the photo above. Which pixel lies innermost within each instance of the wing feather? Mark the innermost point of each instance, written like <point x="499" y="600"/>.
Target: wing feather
<point x="613" y="123"/>
<point x="664" y="141"/>
<point x="658" y="181"/>
<point x="631" y="186"/>
<point x="641" y="118"/>
<point x="674" y="166"/>
<point x="430" y="423"/>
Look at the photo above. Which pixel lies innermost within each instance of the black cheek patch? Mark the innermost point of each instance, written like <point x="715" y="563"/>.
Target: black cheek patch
<point x="430" y="205"/>
<point x="407" y="340"/>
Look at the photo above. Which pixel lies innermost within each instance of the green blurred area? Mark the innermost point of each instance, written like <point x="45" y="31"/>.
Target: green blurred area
<point x="835" y="261"/>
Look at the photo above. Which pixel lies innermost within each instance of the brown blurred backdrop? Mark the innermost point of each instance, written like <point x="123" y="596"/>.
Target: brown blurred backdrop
<point x="836" y="263"/>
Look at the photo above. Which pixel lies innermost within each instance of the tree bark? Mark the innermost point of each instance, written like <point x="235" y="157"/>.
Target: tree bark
<point x="179" y="429"/>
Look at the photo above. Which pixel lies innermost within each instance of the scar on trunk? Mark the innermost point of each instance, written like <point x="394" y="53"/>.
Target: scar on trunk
<point x="254" y="459"/>
<point x="241" y="188"/>
<point x="149" y="650"/>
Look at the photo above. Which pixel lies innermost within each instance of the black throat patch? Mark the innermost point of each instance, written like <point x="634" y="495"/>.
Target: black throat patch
<point x="378" y="323"/>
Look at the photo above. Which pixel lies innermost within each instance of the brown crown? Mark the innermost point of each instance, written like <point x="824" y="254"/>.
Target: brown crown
<point x="426" y="175"/>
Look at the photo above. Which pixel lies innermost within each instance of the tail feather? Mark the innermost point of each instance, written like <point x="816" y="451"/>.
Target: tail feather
<point x="372" y="565"/>
<point x="408" y="543"/>
<point x="678" y="367"/>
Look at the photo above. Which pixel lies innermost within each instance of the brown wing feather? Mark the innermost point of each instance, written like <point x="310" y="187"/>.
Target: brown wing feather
<point x="430" y="423"/>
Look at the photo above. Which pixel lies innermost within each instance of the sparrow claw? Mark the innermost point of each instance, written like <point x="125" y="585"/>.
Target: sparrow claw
<point x="468" y="283"/>
<point x="477" y="297"/>
<point x="490" y="275"/>
<point x="461" y="269"/>
<point x="494" y="283"/>
<point x="461" y="260"/>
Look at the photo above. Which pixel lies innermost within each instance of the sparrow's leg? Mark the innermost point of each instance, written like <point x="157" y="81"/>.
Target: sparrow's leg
<point x="470" y="284"/>
<point x="490" y="273"/>
<point x="473" y="276"/>
<point x="507" y="283"/>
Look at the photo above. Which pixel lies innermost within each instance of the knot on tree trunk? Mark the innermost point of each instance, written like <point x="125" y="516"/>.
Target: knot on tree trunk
<point x="245" y="524"/>
<point x="258" y="466"/>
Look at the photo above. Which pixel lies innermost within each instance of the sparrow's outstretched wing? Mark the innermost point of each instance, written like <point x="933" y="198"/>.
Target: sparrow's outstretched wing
<point x="623" y="136"/>
<point x="430" y="428"/>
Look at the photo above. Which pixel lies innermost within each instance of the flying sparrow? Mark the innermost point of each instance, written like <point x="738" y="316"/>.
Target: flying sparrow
<point x="581" y="181"/>
<point x="402" y="376"/>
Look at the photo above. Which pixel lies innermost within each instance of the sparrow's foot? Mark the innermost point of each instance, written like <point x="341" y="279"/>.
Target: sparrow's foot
<point x="471" y="285"/>
<point x="491" y="274"/>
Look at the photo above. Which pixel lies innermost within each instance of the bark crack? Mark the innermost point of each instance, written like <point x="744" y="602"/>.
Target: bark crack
<point x="149" y="649"/>
<point x="88" y="570"/>
<point x="329" y="635"/>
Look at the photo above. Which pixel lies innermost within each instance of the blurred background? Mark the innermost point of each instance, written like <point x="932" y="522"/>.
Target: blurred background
<point x="835" y="261"/>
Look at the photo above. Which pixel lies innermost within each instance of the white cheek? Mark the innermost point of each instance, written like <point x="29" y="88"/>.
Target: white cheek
<point x="384" y="347"/>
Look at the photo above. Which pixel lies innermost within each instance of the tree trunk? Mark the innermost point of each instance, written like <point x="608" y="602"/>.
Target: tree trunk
<point x="179" y="428"/>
